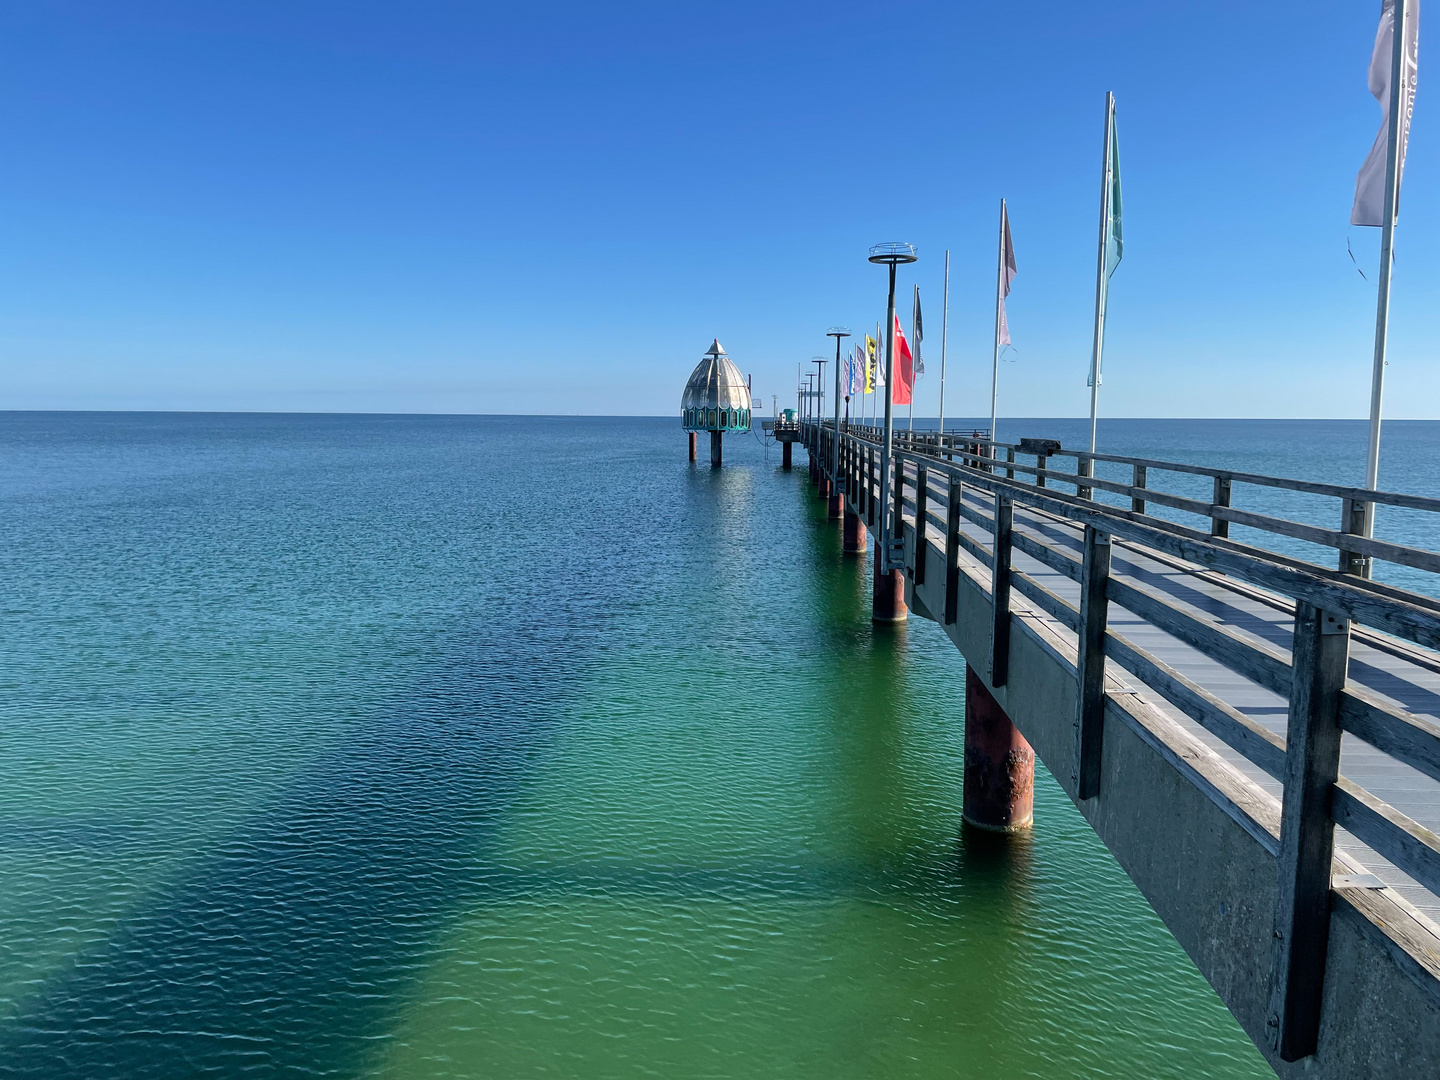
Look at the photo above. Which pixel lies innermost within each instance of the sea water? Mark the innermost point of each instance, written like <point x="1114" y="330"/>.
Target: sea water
<point x="486" y="747"/>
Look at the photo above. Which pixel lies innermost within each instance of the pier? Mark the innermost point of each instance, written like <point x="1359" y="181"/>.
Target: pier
<point x="1216" y="707"/>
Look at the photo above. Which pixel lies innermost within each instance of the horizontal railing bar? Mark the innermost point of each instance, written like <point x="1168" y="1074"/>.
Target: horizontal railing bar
<point x="1260" y="663"/>
<point x="1257" y="745"/>
<point x="1311" y="487"/>
<point x="1324" y="588"/>
<point x="1260" y="747"/>
<point x="1391" y="730"/>
<point x="1401" y="554"/>
<point x="1404" y="736"/>
<point x="1400" y="840"/>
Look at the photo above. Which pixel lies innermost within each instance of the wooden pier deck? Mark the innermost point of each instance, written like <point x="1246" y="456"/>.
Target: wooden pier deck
<point x="1336" y="971"/>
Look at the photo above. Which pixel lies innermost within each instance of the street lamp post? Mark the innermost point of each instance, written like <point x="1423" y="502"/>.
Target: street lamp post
<point x="889" y="255"/>
<point x="836" y="506"/>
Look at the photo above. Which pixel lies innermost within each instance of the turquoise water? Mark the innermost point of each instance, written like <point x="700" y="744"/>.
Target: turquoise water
<point x="497" y="748"/>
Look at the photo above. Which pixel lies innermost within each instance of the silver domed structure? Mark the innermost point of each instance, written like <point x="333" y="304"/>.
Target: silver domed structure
<point x="716" y="399"/>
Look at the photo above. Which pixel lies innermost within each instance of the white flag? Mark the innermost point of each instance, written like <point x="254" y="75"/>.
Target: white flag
<point x="1007" y="275"/>
<point x="1369" y="207"/>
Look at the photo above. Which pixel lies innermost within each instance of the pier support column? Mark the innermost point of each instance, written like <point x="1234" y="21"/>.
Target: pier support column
<point x="887" y="603"/>
<point x="692" y="446"/>
<point x="999" y="764"/>
<point x="786" y="458"/>
<point x="856" y="539"/>
<point x="714" y="448"/>
<point x="837" y="502"/>
<point x="824" y="486"/>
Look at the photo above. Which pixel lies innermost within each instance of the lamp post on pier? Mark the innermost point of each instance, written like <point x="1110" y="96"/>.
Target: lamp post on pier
<point x="888" y="604"/>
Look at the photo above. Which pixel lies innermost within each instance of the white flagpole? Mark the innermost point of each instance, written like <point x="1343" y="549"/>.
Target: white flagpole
<point x="1102" y="285"/>
<point x="944" y="333"/>
<point x="875" y="411"/>
<point x="914" y="347"/>
<point x="1403" y="13"/>
<point x="999" y="299"/>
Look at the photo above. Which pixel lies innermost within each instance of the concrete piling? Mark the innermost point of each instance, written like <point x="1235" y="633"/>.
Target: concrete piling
<point x="999" y="764"/>
<point x="856" y="539"/>
<point x="836" y="505"/>
<point x="692" y="446"/>
<point x="887" y="603"/>
<point x="714" y="448"/>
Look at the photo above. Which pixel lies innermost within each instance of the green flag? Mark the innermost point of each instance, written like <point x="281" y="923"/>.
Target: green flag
<point x="1114" y="237"/>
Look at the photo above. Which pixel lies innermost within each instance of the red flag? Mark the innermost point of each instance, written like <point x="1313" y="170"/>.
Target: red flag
<point x="905" y="380"/>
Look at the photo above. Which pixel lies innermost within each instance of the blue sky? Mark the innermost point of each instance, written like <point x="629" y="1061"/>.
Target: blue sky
<point x="460" y="207"/>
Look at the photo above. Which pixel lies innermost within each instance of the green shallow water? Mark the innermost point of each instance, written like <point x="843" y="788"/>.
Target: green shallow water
<point x="502" y="748"/>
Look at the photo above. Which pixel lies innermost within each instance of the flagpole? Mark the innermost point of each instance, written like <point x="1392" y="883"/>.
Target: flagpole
<point x="999" y="299"/>
<point x="944" y="334"/>
<point x="1101" y="281"/>
<point x="879" y="374"/>
<point x="1402" y="14"/>
<point x="914" y="378"/>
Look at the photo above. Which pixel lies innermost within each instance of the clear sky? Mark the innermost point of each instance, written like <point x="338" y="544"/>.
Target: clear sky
<point x="539" y="207"/>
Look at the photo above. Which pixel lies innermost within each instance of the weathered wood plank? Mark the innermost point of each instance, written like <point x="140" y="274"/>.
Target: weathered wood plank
<point x="1260" y="662"/>
<point x="1401" y="734"/>
<point x="1307" y="832"/>
<point x="1137" y="497"/>
<point x="1406" y="843"/>
<point x="922" y="521"/>
<point x="1000" y="590"/>
<point x="954" y="502"/>
<point x="1219" y="526"/>
<point x="1090" y="709"/>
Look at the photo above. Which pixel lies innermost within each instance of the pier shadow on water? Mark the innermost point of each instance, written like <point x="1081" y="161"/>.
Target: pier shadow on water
<point x="289" y="948"/>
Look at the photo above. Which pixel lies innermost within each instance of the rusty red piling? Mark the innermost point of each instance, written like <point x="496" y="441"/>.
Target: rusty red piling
<point x="856" y="538"/>
<point x="999" y="764"/>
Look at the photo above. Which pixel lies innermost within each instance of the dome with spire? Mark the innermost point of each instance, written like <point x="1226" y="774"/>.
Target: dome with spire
<point x="716" y="398"/>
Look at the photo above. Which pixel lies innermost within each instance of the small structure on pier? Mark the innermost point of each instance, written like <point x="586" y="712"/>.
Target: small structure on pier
<point x="784" y="429"/>
<point x="716" y="399"/>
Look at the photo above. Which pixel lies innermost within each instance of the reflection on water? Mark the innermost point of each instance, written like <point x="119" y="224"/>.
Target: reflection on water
<point x="344" y="746"/>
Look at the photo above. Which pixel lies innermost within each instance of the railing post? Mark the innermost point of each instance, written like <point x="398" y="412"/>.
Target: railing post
<point x="1010" y="460"/>
<point x="1307" y="831"/>
<point x="1218" y="526"/>
<point x="922" y="492"/>
<point x="870" y="491"/>
<point x="1040" y="460"/>
<point x="952" y="550"/>
<point x="898" y="527"/>
<point x="849" y="445"/>
<point x="1137" y="504"/>
<point x="1090" y="708"/>
<point x="1355" y="520"/>
<point x="1000" y="590"/>
<point x="1084" y="467"/>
